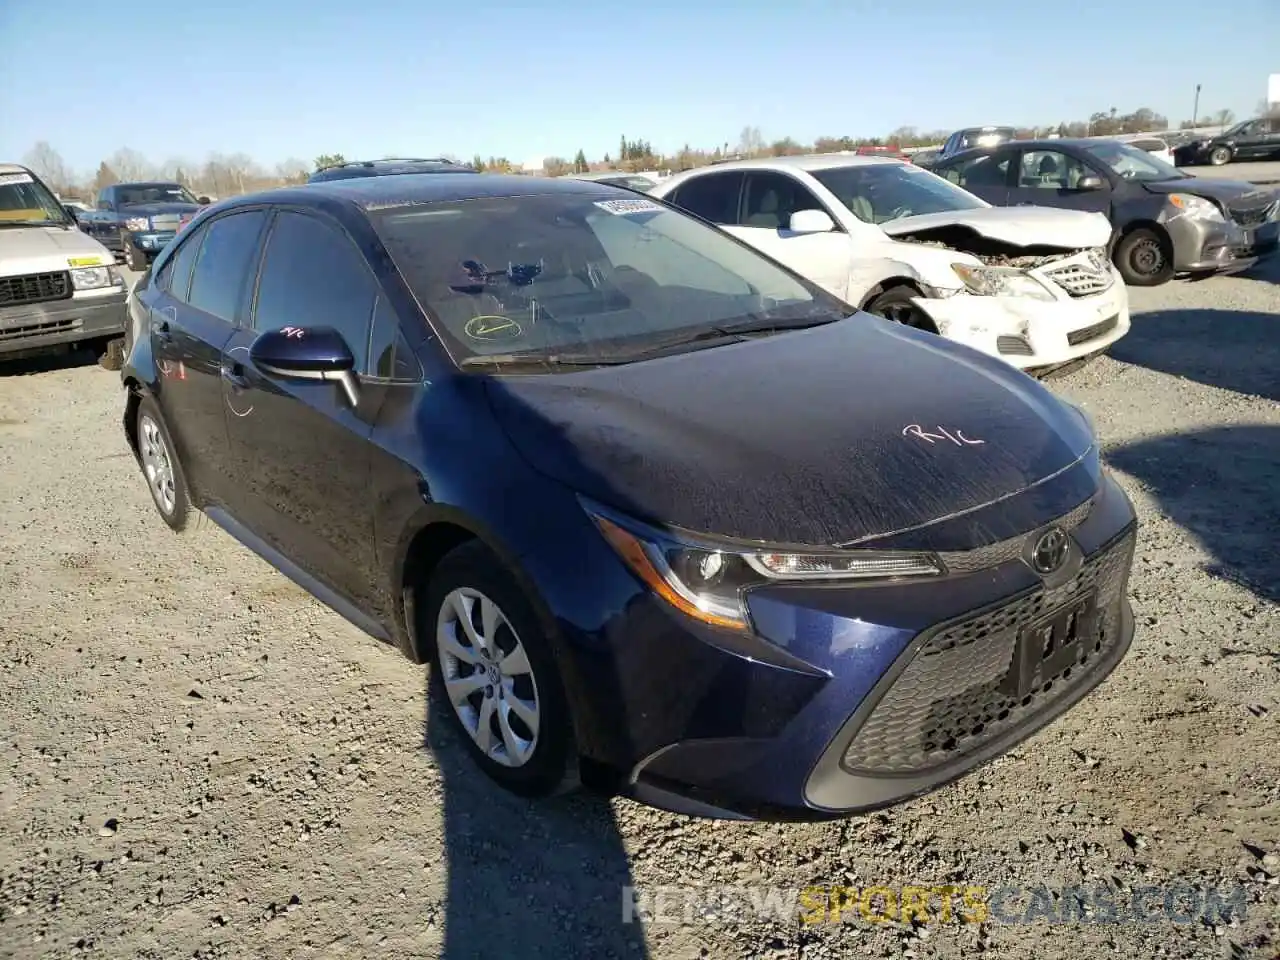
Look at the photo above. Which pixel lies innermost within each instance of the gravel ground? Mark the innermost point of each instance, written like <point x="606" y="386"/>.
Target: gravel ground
<point x="197" y="760"/>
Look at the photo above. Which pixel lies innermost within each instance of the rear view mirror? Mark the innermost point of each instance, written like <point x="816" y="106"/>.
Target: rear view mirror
<point x="307" y="353"/>
<point x="1089" y="183"/>
<point x="811" y="221"/>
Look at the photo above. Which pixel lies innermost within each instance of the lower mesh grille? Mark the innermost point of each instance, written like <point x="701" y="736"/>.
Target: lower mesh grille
<point x="1085" y="334"/>
<point x="953" y="696"/>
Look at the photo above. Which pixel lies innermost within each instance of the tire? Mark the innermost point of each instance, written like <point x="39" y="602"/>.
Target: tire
<point x="1144" y="258"/>
<point x="134" y="258"/>
<point x="112" y="356"/>
<point x="1219" y="156"/>
<point x="469" y="577"/>
<point x="895" y="306"/>
<point x="155" y="453"/>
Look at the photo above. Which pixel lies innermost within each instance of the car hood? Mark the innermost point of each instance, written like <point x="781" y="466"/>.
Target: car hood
<point x="1237" y="193"/>
<point x="1020" y="226"/>
<point x="41" y="249"/>
<point x="804" y="437"/>
<point x="157" y="209"/>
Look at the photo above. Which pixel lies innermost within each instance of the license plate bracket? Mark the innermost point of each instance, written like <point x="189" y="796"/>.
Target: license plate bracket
<point x="1050" y="645"/>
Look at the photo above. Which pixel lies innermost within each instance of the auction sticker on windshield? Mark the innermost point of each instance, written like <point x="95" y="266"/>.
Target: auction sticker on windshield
<point x="15" y="178"/>
<point x="622" y="208"/>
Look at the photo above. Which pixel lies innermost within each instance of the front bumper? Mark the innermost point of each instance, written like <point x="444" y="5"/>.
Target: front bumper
<point x="34" y="327"/>
<point x="151" y="242"/>
<point x="915" y="692"/>
<point x="1030" y="334"/>
<point x="1202" y="246"/>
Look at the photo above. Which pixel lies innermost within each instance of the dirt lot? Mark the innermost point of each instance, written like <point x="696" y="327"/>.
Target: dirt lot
<point x="199" y="761"/>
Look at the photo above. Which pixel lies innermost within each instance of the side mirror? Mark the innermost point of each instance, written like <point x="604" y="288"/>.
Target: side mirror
<point x="72" y="212"/>
<point x="811" y="221"/>
<point x="307" y="353"/>
<point x="203" y="201"/>
<point x="1090" y="183"/>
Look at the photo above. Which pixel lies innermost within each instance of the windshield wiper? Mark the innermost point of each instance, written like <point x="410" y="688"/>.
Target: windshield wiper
<point x="544" y="360"/>
<point x="763" y="323"/>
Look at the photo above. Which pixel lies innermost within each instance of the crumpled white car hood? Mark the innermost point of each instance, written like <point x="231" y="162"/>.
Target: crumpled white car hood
<point x="1020" y="226"/>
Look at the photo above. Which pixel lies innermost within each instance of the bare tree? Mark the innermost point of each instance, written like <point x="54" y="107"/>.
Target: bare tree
<point x="129" y="165"/>
<point x="48" y="165"/>
<point x="1223" y="118"/>
<point x="293" y="170"/>
<point x="750" y="142"/>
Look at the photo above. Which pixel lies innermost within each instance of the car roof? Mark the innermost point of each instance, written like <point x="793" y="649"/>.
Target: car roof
<point x="393" y="165"/>
<point x="810" y="161"/>
<point x="13" y="168"/>
<point x="378" y="193"/>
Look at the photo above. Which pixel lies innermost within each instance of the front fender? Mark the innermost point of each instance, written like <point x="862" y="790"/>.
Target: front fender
<point x="869" y="275"/>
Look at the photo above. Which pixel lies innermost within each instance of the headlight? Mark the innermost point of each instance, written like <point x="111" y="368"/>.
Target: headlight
<point x="1000" y="282"/>
<point x="709" y="581"/>
<point x="137" y="223"/>
<point x="1197" y="208"/>
<point x="92" y="278"/>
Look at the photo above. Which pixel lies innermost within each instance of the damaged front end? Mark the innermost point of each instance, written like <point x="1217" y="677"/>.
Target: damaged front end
<point x="1037" y="306"/>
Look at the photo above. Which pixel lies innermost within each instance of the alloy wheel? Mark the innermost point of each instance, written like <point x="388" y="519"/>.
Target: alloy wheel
<point x="157" y="464"/>
<point x="487" y="677"/>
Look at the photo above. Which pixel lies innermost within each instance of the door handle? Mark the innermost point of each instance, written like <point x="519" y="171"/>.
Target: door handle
<point x="233" y="373"/>
<point x="163" y="332"/>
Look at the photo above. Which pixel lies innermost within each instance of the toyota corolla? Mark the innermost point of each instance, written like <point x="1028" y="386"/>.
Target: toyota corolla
<point x="655" y="508"/>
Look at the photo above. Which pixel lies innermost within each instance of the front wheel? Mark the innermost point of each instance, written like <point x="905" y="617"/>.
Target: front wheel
<point x="492" y="662"/>
<point x="134" y="258"/>
<point x="1219" y="156"/>
<point x="896" y="306"/>
<point x="1144" y="259"/>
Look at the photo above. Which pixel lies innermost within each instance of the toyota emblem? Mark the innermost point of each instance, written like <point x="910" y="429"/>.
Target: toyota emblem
<point x="1050" y="551"/>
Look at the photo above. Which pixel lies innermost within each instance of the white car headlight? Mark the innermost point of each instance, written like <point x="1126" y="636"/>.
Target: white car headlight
<point x="92" y="278"/>
<point x="708" y="581"/>
<point x="1198" y="208"/>
<point x="137" y="223"/>
<point x="1000" y="282"/>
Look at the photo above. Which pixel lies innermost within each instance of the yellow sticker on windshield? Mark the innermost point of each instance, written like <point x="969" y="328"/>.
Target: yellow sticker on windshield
<point x="84" y="261"/>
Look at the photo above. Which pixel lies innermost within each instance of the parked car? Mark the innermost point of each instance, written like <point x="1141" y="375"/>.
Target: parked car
<point x="617" y="178"/>
<point x="650" y="503"/>
<point x="138" y="220"/>
<point x="1163" y="221"/>
<point x="1256" y="139"/>
<point x="1158" y="147"/>
<point x="1032" y="287"/>
<point x="58" y="287"/>
<point x="353" y="169"/>
<point x="75" y="207"/>
<point x="972" y="137"/>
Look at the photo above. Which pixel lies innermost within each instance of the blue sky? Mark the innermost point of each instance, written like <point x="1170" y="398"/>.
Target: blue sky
<point x="281" y="78"/>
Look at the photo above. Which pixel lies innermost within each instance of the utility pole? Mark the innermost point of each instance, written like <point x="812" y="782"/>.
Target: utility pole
<point x="1195" y="111"/>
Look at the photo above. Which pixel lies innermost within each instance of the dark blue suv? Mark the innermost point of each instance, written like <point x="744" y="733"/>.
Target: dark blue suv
<point x="650" y="504"/>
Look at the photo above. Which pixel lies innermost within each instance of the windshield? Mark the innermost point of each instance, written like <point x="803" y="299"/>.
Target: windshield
<point x="586" y="275"/>
<point x="154" y="193"/>
<point x="986" y="137"/>
<point x="1130" y="163"/>
<point x="880" y="192"/>
<point x="25" y="200"/>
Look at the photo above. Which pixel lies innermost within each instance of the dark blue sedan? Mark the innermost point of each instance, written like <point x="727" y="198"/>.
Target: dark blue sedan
<point x="659" y="513"/>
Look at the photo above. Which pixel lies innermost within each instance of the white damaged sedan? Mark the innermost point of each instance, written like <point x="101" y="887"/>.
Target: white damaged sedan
<point x="1033" y="286"/>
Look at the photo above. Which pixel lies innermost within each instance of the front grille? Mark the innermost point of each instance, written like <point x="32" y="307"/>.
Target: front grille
<point x="962" y="562"/>
<point x="166" y="223"/>
<point x="34" y="288"/>
<point x="1254" y="217"/>
<point x="1082" y="281"/>
<point x="1085" y="334"/>
<point x="1013" y="346"/>
<point x="951" y="697"/>
<point x="27" y="330"/>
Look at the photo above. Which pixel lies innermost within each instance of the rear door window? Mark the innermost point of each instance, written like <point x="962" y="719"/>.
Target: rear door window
<point x="712" y="196"/>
